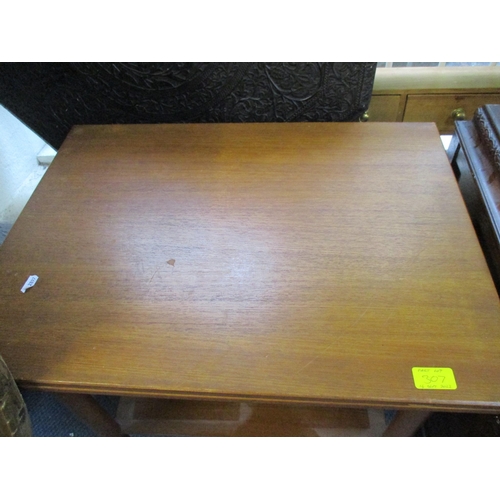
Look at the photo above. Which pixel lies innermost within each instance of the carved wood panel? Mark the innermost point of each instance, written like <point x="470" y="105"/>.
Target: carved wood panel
<point x="52" y="97"/>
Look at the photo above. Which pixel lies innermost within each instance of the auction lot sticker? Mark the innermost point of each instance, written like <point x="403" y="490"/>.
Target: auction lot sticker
<point x="426" y="377"/>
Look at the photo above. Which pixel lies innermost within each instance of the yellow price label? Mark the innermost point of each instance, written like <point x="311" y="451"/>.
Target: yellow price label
<point x="426" y="377"/>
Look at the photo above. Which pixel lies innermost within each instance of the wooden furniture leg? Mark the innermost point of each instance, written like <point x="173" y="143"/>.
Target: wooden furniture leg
<point x="406" y="423"/>
<point x="91" y="412"/>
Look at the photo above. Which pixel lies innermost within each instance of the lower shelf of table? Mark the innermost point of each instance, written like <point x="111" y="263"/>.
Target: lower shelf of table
<point x="169" y="417"/>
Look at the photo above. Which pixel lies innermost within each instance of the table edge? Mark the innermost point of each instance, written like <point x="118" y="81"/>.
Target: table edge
<point x="444" y="405"/>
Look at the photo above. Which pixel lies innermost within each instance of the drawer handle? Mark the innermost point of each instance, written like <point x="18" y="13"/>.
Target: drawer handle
<point x="458" y="114"/>
<point x="365" y="117"/>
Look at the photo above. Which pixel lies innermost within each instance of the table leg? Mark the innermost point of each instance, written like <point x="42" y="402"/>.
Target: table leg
<point x="406" y="423"/>
<point x="92" y="413"/>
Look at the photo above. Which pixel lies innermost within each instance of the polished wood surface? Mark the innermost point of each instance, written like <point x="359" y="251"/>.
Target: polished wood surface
<point x="306" y="262"/>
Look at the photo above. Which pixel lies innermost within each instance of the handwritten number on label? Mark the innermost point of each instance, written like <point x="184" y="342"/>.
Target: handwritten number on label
<point x="428" y="377"/>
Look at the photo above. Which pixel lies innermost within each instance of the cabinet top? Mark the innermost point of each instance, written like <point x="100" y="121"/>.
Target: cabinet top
<point x="392" y="79"/>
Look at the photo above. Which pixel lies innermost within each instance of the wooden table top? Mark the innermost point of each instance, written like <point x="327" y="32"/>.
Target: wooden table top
<point x="295" y="262"/>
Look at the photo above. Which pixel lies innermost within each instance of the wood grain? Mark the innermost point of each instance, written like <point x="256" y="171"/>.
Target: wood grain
<point x="296" y="262"/>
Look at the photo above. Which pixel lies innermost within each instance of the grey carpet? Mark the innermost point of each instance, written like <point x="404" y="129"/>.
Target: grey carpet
<point x="51" y="418"/>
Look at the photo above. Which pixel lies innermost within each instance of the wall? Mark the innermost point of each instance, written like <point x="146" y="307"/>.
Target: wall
<point x="19" y="168"/>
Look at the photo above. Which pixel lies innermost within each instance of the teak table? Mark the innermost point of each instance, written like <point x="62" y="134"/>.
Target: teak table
<point x="319" y="263"/>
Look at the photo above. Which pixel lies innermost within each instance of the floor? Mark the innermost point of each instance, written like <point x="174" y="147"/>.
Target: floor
<point x="50" y="418"/>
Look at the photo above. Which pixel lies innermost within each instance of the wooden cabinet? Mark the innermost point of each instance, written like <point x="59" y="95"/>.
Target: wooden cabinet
<point x="440" y="108"/>
<point x="384" y="108"/>
<point x="438" y="95"/>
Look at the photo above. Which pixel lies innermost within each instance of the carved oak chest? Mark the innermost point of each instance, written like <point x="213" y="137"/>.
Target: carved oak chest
<point x="475" y="157"/>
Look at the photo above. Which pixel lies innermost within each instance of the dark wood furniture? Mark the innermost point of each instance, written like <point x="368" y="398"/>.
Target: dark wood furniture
<point x="52" y="97"/>
<point x="299" y="263"/>
<point x="475" y="156"/>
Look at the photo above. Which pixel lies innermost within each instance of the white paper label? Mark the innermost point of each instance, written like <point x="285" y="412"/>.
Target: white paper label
<point x="29" y="283"/>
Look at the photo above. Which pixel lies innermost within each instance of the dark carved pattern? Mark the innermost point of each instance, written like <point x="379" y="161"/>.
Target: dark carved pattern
<point x="488" y="136"/>
<point x="52" y="97"/>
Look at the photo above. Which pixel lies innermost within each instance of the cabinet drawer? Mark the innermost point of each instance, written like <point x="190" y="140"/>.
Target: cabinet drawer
<point x="438" y="108"/>
<point x="383" y="108"/>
